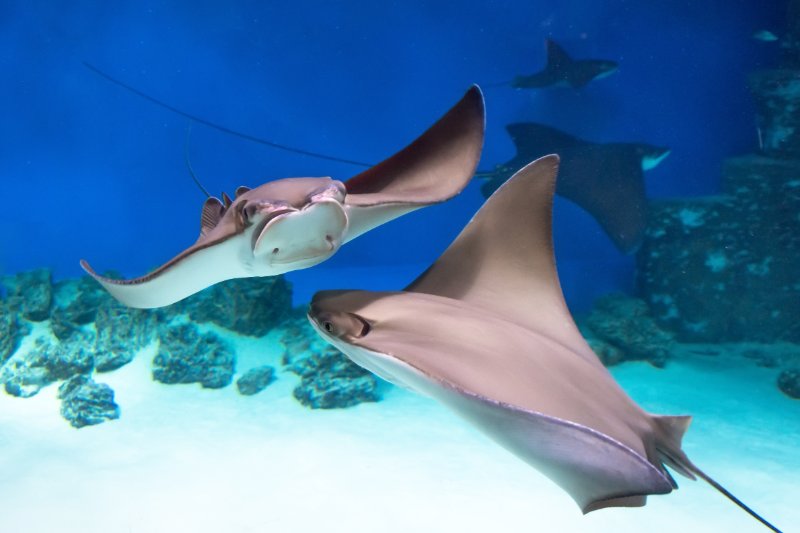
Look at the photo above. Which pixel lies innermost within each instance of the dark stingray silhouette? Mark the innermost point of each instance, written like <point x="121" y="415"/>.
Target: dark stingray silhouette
<point x="562" y="70"/>
<point x="607" y="180"/>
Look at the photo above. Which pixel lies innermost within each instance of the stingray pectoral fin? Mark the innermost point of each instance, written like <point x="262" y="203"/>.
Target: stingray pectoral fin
<point x="433" y="168"/>
<point x="192" y="271"/>
<point x="596" y="470"/>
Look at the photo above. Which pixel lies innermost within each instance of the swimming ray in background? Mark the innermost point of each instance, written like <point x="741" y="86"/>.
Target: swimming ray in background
<point x="295" y="223"/>
<point x="563" y="71"/>
<point x="486" y="331"/>
<point x="607" y="180"/>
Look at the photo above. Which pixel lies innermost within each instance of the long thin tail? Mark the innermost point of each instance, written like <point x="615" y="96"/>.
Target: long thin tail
<point x="218" y="127"/>
<point x="672" y="429"/>
<point x="733" y="498"/>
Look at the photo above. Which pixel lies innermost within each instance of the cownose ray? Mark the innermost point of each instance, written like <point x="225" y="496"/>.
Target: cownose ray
<point x="561" y="70"/>
<point x="604" y="179"/>
<point x="296" y="223"/>
<point x="486" y="331"/>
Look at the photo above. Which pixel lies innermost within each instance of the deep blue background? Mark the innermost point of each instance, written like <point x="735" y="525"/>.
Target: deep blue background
<point x="89" y="170"/>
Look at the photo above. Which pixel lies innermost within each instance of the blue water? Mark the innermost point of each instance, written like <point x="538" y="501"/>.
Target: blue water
<point x="92" y="171"/>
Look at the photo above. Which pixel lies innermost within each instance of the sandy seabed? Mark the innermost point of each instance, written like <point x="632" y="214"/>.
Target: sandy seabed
<point x="181" y="458"/>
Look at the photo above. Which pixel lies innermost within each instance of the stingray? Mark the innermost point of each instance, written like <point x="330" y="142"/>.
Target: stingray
<point x="296" y="223"/>
<point x="562" y="70"/>
<point x="607" y="180"/>
<point x="486" y="331"/>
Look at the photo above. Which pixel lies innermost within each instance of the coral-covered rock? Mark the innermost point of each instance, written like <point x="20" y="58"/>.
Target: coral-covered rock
<point x="12" y="330"/>
<point x="187" y="356"/>
<point x="26" y="373"/>
<point x="250" y="306"/>
<point x="86" y="403"/>
<point x="255" y="380"/>
<point x="331" y="380"/>
<point x="625" y="323"/>
<point x="29" y="293"/>
<point x="76" y="302"/>
<point x="789" y="382"/>
<point x="121" y="332"/>
<point x="724" y="269"/>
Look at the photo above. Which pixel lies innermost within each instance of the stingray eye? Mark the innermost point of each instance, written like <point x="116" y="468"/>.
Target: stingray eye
<point x="328" y="326"/>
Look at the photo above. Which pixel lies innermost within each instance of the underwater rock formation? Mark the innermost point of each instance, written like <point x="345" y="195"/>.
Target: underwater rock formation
<point x="187" y="356"/>
<point x="121" y="332"/>
<point x="27" y="372"/>
<point x="725" y="268"/>
<point x="250" y="306"/>
<point x="86" y="403"/>
<point x="626" y="332"/>
<point x="76" y="302"/>
<point x="29" y="293"/>
<point x="255" y="380"/>
<point x="789" y="382"/>
<point x="329" y="379"/>
<point x="12" y="330"/>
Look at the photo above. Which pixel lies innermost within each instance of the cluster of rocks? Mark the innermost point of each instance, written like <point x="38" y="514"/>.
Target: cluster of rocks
<point x="724" y="268"/>
<point x="86" y="332"/>
<point x="620" y="328"/>
<point x="328" y="379"/>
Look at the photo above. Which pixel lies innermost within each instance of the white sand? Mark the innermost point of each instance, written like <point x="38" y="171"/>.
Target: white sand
<point x="185" y="459"/>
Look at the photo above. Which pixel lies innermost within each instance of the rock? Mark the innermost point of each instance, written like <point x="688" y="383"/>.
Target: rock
<point x="86" y="403"/>
<point x="607" y="353"/>
<point x="76" y="304"/>
<point x="121" y="332"/>
<point x="789" y="382"/>
<point x="625" y="323"/>
<point x="319" y="392"/>
<point x="187" y="356"/>
<point x="250" y="306"/>
<point x="724" y="269"/>
<point x="331" y="380"/>
<point x="255" y="380"/>
<point x="29" y="293"/>
<point x="25" y="374"/>
<point x="12" y="330"/>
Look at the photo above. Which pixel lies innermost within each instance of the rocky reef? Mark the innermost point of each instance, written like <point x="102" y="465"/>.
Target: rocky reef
<point x="187" y="356"/>
<point x="724" y="268"/>
<point x="250" y="306"/>
<point x="328" y="378"/>
<point x="80" y="331"/>
<point x="620" y="329"/>
<point x="86" y="403"/>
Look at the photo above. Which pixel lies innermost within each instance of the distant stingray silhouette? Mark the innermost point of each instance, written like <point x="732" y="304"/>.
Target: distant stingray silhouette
<point x="607" y="180"/>
<point x="562" y="71"/>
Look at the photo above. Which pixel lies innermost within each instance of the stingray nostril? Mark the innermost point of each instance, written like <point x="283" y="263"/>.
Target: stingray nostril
<point x="329" y="238"/>
<point x="275" y="251"/>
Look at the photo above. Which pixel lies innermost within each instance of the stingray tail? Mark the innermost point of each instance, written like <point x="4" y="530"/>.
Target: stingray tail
<point x="672" y="429"/>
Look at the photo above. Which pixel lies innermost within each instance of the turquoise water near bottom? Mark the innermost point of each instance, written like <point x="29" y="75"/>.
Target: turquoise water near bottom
<point x="184" y="458"/>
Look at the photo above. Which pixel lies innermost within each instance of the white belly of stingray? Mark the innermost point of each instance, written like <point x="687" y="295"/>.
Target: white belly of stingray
<point x="292" y="241"/>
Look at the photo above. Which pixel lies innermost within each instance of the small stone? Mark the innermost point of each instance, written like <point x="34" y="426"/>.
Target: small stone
<point x="87" y="403"/>
<point x="255" y="380"/>
<point x="789" y="383"/>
